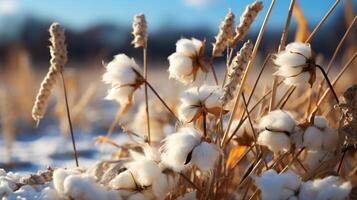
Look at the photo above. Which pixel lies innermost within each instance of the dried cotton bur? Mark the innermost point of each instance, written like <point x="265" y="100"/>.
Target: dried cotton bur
<point x="269" y="154"/>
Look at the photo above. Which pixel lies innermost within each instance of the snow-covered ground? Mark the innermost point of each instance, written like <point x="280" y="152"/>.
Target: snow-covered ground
<point x="43" y="150"/>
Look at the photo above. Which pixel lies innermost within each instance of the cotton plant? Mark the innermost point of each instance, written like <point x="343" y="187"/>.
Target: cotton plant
<point x="197" y="102"/>
<point x="186" y="148"/>
<point x="187" y="62"/>
<point x="278" y="131"/>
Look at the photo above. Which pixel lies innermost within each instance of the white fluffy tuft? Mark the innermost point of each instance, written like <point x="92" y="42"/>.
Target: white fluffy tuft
<point x="205" y="156"/>
<point x="330" y="187"/>
<point x="177" y="146"/>
<point x="275" y="186"/>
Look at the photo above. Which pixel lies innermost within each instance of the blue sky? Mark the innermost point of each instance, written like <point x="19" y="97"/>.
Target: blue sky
<point x="80" y="14"/>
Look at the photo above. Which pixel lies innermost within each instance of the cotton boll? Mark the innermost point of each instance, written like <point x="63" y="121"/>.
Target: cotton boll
<point x="123" y="79"/>
<point x="275" y="141"/>
<point x="278" y="119"/>
<point x="59" y="175"/>
<point x="295" y="64"/>
<point x="177" y="146"/>
<point x="274" y="186"/>
<point x="196" y="100"/>
<point x="313" y="138"/>
<point x="330" y="187"/>
<point x="205" y="156"/>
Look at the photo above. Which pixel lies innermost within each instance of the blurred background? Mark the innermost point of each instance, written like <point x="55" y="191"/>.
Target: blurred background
<point x="97" y="30"/>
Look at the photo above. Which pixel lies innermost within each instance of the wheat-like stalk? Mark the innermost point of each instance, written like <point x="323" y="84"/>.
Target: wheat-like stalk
<point x="225" y="34"/>
<point x="58" y="52"/>
<point x="246" y="20"/>
<point x="235" y="72"/>
<point x="140" y="31"/>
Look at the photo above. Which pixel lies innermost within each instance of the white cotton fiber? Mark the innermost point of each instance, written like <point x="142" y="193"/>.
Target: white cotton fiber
<point x="205" y="156"/>
<point x="123" y="181"/>
<point x="289" y="60"/>
<point x="177" y="146"/>
<point x="320" y="122"/>
<point x="85" y="187"/>
<point x="313" y="138"/>
<point x="301" y="79"/>
<point x="303" y="48"/>
<point x="59" y="175"/>
<point x="278" y="119"/>
<point x="328" y="188"/>
<point x="195" y="100"/>
<point x="182" y="66"/>
<point x="314" y="158"/>
<point x="274" y="186"/>
<point x="275" y="141"/>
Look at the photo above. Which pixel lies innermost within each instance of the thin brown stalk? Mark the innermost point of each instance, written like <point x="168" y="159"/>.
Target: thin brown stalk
<point x="146" y="96"/>
<point x="322" y="21"/>
<point x="281" y="47"/>
<point x="70" y="121"/>
<point x="246" y="72"/>
<point x="190" y="182"/>
<point x="213" y="71"/>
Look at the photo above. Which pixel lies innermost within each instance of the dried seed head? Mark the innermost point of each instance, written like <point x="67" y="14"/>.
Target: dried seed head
<point x="235" y="72"/>
<point x="140" y="31"/>
<point x="225" y="34"/>
<point x="58" y="52"/>
<point x="246" y="20"/>
<point x="58" y="48"/>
